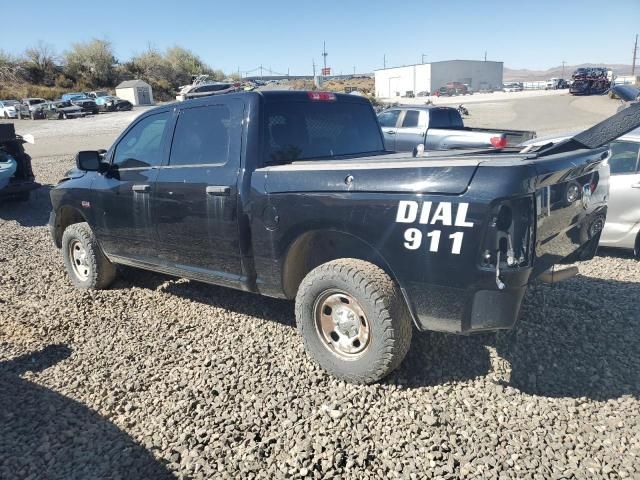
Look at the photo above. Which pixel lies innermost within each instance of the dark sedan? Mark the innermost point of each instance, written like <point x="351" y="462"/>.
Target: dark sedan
<point x="109" y="103"/>
<point x="62" y="109"/>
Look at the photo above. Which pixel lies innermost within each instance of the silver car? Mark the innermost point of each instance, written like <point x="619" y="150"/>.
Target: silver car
<point x="622" y="227"/>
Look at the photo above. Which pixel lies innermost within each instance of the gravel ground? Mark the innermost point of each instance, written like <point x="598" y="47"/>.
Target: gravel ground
<point x="163" y="378"/>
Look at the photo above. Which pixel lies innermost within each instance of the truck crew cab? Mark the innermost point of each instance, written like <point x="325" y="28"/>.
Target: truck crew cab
<point x="292" y="195"/>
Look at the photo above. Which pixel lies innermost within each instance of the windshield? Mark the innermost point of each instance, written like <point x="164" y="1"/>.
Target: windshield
<point x="35" y="101"/>
<point x="9" y="103"/>
<point x="321" y="129"/>
<point x="101" y="94"/>
<point x="445" y="118"/>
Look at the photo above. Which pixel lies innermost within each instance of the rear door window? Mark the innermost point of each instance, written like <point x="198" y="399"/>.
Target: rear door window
<point x="202" y="136"/>
<point x="411" y="119"/>
<point x="444" y="118"/>
<point x="624" y="158"/>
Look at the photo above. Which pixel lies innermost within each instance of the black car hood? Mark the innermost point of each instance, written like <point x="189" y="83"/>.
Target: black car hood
<point x="627" y="93"/>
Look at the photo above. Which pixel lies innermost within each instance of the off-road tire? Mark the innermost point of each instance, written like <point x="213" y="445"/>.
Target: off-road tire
<point x="386" y="313"/>
<point x="102" y="271"/>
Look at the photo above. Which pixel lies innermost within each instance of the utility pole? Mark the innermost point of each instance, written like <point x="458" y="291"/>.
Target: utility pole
<point x="260" y="72"/>
<point x="313" y="62"/>
<point x="422" y="57"/>
<point x="384" y="61"/>
<point x="563" y="64"/>
<point x="635" y="56"/>
<point x="324" y="56"/>
<point x="354" y="70"/>
<point x="485" y="55"/>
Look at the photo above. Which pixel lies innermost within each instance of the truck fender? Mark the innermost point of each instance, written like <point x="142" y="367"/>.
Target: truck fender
<point x="313" y="248"/>
<point x="64" y="216"/>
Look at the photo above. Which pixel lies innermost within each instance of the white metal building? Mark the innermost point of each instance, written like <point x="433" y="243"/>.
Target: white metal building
<point x="429" y="77"/>
<point x="136" y="91"/>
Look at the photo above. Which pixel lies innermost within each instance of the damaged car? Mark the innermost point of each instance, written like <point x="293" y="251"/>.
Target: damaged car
<point x="627" y="94"/>
<point x="16" y="176"/>
<point x="61" y="110"/>
<point x="87" y="104"/>
<point x="110" y="103"/>
<point x="30" y="108"/>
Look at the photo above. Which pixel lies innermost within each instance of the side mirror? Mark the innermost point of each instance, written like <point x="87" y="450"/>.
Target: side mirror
<point x="88" y="160"/>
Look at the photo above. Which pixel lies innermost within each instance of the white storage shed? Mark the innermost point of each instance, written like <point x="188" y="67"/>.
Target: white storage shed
<point x="137" y="92"/>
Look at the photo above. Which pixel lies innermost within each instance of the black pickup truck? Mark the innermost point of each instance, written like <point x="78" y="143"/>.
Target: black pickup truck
<point x="292" y="195"/>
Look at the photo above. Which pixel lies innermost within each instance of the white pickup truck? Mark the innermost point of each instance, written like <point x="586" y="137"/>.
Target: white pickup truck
<point x="440" y="128"/>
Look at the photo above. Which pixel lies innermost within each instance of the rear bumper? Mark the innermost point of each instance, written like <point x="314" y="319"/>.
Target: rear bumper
<point x="482" y="309"/>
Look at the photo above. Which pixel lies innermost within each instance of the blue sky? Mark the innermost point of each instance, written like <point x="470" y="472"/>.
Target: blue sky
<point x="289" y="34"/>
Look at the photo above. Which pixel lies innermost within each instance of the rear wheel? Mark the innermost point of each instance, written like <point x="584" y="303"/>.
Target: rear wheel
<point x="353" y="320"/>
<point x="87" y="266"/>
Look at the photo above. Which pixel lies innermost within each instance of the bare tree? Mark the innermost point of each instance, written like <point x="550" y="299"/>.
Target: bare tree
<point x="41" y="63"/>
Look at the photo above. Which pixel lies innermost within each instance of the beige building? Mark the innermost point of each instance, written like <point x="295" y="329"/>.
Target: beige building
<point x="429" y="77"/>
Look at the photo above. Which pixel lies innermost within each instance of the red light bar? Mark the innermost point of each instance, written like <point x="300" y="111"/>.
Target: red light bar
<point x="499" y="142"/>
<point x="322" y="96"/>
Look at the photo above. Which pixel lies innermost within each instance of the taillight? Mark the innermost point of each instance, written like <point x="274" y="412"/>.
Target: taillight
<point x="322" y="96"/>
<point x="594" y="182"/>
<point x="507" y="244"/>
<point x="499" y="142"/>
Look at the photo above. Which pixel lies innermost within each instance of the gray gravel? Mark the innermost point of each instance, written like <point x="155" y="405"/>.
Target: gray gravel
<point x="160" y="377"/>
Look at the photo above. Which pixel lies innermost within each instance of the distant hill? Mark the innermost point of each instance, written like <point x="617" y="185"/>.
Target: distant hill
<point x="512" y="75"/>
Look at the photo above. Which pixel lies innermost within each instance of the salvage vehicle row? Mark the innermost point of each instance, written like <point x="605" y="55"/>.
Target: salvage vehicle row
<point x="70" y="105"/>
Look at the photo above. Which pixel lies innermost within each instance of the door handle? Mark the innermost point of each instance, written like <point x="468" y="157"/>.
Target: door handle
<point x="219" y="190"/>
<point x="390" y="132"/>
<point x="141" y="188"/>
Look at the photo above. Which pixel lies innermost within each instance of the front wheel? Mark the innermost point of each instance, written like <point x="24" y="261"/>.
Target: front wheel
<point x="87" y="266"/>
<point x="353" y="320"/>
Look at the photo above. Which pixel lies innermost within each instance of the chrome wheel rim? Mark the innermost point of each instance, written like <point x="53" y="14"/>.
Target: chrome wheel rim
<point x="79" y="260"/>
<point x="342" y="324"/>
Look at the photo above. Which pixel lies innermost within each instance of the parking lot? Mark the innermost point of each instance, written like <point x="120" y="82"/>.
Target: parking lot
<point x="167" y="378"/>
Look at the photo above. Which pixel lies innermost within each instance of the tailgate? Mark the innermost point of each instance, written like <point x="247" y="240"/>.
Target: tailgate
<point x="571" y="195"/>
<point x="514" y="137"/>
